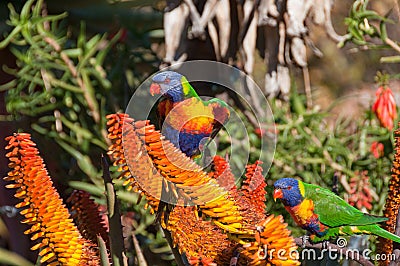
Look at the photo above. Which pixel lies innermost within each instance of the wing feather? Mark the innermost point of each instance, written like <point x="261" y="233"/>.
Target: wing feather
<point x="333" y="211"/>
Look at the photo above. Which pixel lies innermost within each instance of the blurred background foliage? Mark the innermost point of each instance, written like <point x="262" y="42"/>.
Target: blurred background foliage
<point x="65" y="65"/>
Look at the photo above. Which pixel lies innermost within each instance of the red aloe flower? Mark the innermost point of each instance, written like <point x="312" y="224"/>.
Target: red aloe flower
<point x="385" y="107"/>
<point x="223" y="174"/>
<point x="377" y="149"/>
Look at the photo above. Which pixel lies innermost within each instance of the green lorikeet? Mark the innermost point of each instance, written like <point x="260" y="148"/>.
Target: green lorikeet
<point x="323" y="213"/>
<point x="184" y="118"/>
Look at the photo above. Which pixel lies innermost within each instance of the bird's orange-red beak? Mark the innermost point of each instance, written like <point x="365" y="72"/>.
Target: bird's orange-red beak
<point x="155" y="89"/>
<point x="278" y="194"/>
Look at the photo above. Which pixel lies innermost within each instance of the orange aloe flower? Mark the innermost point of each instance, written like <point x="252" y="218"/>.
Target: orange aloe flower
<point x="154" y="161"/>
<point x="59" y="239"/>
<point x="237" y="216"/>
<point x="87" y="217"/>
<point x="223" y="174"/>
<point x="385" y="107"/>
<point x="273" y="245"/>
<point x="392" y="205"/>
<point x="252" y="193"/>
<point x="134" y="166"/>
<point x="202" y="241"/>
<point x="271" y="231"/>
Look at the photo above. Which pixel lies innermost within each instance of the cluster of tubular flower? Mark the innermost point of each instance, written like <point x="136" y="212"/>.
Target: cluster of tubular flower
<point x="60" y="241"/>
<point x="211" y="222"/>
<point x="232" y="220"/>
<point x="392" y="205"/>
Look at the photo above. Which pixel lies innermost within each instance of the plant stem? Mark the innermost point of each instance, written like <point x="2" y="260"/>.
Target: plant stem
<point x="116" y="236"/>
<point x="178" y="257"/>
<point x="307" y="87"/>
<point x="392" y="44"/>
<point x="139" y="254"/>
<point x="70" y="64"/>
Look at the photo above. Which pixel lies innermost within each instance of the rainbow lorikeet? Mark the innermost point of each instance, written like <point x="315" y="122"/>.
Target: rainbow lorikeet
<point x="184" y="118"/>
<point x="323" y="213"/>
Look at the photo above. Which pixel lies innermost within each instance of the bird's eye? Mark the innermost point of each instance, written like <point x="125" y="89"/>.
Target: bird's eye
<point x="167" y="80"/>
<point x="289" y="187"/>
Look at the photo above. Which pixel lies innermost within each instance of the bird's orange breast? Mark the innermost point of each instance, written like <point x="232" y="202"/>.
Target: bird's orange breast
<point x="303" y="212"/>
<point x="191" y="115"/>
<point x="304" y="215"/>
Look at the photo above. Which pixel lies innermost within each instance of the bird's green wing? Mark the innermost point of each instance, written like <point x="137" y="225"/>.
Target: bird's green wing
<point x="221" y="114"/>
<point x="333" y="211"/>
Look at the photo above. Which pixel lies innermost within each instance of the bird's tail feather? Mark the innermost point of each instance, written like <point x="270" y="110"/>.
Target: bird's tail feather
<point x="385" y="234"/>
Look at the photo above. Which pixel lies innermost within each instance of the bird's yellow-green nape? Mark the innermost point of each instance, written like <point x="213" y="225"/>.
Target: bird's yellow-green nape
<point x="302" y="188"/>
<point x="187" y="89"/>
<point x="185" y="84"/>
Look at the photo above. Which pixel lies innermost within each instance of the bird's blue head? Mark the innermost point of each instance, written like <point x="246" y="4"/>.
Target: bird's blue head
<point x="289" y="190"/>
<point x="169" y="84"/>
